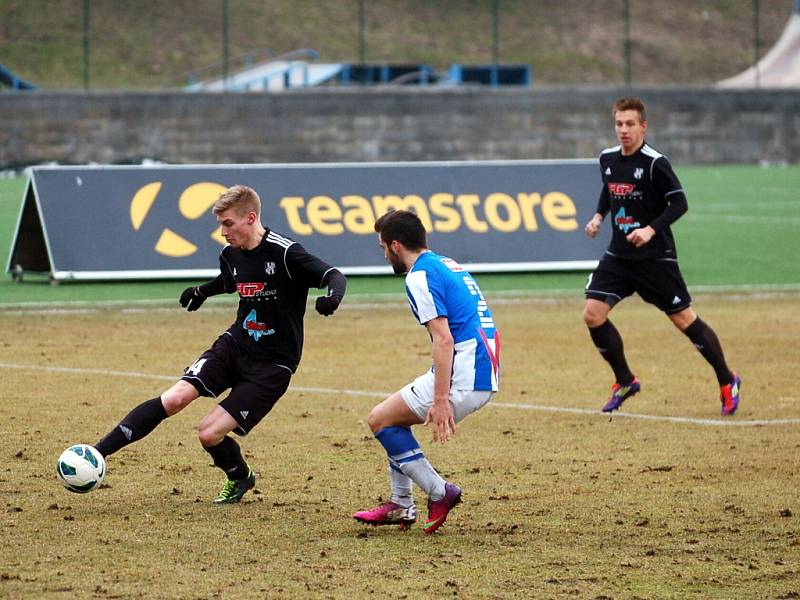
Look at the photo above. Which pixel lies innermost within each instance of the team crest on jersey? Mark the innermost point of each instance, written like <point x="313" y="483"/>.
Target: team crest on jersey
<point x="269" y="268"/>
<point x="638" y="173"/>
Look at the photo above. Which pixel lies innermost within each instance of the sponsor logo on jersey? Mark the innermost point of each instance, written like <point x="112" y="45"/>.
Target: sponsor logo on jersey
<point x="624" y="222"/>
<point x="608" y="170"/>
<point x="621" y="189"/>
<point x="254" y="328"/>
<point x="638" y="173"/>
<point x="269" y="268"/>
<point x="452" y="265"/>
<point x="249" y="290"/>
<point x="676" y="300"/>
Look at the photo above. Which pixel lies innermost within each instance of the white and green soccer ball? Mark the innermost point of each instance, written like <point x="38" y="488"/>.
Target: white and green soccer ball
<point x="81" y="468"/>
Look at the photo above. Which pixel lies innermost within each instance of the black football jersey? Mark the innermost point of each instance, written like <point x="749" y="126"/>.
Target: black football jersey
<point x="637" y="189"/>
<point x="272" y="281"/>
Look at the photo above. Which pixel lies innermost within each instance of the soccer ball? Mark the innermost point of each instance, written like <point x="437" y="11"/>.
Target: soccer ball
<point x="81" y="468"/>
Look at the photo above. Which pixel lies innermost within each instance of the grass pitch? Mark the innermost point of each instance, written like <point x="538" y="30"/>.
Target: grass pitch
<point x="557" y="504"/>
<point x="668" y="501"/>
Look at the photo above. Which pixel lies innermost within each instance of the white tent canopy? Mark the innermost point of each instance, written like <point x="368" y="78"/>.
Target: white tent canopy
<point x="780" y="67"/>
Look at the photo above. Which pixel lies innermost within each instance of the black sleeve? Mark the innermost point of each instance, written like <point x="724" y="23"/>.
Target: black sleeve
<point x="306" y="268"/>
<point x="224" y="283"/>
<point x="336" y="282"/>
<point x="213" y="287"/>
<point x="670" y="189"/>
<point x="603" y="202"/>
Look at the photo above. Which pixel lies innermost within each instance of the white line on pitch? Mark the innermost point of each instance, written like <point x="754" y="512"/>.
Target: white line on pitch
<point x="111" y="372"/>
<point x="741" y="292"/>
<point x="535" y="407"/>
<point x="727" y="207"/>
<point x="693" y="421"/>
<point x="777" y="220"/>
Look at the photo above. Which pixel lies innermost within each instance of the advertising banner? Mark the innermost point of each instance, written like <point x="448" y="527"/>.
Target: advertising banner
<point x="140" y="222"/>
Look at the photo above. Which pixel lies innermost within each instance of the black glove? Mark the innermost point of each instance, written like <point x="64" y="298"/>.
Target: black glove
<point x="192" y="299"/>
<point x="326" y="305"/>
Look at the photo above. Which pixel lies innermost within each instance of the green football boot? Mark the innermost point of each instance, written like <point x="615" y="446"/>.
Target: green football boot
<point x="234" y="489"/>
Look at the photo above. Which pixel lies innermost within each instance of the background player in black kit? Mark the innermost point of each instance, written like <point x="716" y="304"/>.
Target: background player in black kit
<point x="644" y="197"/>
<point x="256" y="357"/>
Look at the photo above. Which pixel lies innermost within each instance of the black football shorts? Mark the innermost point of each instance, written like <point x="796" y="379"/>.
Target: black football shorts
<point x="255" y="385"/>
<point x="657" y="280"/>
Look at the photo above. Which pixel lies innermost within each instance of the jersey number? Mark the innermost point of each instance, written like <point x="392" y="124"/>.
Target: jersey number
<point x="195" y="368"/>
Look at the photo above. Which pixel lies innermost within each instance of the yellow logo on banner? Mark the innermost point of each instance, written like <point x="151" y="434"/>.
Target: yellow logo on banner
<point x="195" y="201"/>
<point x="441" y="212"/>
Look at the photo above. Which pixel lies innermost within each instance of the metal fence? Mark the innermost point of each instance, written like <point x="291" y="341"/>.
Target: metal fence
<point x="158" y="44"/>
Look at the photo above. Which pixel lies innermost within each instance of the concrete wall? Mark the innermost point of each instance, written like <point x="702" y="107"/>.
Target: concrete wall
<point x="691" y="125"/>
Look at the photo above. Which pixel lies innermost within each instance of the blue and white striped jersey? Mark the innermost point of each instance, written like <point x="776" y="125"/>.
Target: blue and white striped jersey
<point x="438" y="286"/>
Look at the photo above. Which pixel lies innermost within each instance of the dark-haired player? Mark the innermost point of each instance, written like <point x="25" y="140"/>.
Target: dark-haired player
<point x="256" y="357"/>
<point x="464" y="376"/>
<point x="644" y="197"/>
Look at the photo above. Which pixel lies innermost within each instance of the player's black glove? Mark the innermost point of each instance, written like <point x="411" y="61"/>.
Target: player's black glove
<point x="326" y="305"/>
<point x="192" y="299"/>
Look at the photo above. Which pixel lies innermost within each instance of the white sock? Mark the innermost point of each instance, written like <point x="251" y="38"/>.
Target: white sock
<point x="402" y="484"/>
<point x="425" y="476"/>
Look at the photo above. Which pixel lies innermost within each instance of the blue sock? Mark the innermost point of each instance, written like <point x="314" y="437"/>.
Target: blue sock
<point x="404" y="453"/>
<point x="399" y="442"/>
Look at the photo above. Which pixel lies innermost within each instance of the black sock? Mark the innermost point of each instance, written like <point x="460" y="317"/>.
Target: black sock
<point x="227" y="456"/>
<point x="707" y="343"/>
<point x="136" y="424"/>
<point x="608" y="342"/>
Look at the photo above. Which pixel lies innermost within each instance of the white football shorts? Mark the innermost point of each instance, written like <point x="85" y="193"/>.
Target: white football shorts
<point x="418" y="395"/>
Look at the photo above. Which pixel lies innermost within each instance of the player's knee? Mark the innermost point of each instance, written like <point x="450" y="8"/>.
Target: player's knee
<point x="592" y="317"/>
<point x="208" y="435"/>
<point x="683" y="319"/>
<point x="681" y="323"/>
<point x="375" y="420"/>
<point x="175" y="401"/>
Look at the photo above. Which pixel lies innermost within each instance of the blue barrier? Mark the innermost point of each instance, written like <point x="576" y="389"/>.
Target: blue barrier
<point x="15" y="83"/>
<point x="493" y="75"/>
<point x="385" y="73"/>
<point x="422" y="74"/>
